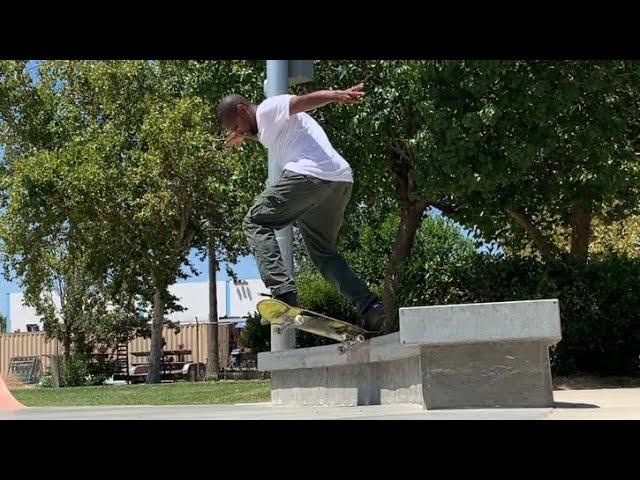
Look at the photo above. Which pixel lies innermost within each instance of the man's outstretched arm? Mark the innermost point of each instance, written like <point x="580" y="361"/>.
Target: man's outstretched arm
<point x="313" y="100"/>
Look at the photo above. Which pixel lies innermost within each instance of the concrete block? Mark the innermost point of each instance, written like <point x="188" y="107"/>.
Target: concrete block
<point x="488" y="375"/>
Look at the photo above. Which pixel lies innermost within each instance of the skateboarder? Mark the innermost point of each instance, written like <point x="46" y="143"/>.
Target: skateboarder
<point x="313" y="191"/>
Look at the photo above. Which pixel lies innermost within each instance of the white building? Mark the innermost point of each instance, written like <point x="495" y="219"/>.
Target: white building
<point x="235" y="300"/>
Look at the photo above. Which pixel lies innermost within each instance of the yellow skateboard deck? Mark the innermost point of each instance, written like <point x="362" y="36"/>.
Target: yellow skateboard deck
<point x="285" y="316"/>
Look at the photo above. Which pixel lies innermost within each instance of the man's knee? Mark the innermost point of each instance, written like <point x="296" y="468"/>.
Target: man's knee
<point x="248" y="224"/>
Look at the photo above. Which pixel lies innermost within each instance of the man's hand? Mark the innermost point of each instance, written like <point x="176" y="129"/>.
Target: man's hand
<point x="318" y="99"/>
<point x="350" y="95"/>
<point x="234" y="140"/>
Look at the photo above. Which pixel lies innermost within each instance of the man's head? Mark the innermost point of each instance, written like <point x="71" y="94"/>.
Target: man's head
<point x="237" y="114"/>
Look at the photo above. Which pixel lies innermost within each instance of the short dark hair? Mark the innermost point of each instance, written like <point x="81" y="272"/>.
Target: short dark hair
<point x="229" y="105"/>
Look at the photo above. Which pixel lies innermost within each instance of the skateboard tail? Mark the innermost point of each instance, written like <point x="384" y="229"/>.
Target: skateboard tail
<point x="275" y="312"/>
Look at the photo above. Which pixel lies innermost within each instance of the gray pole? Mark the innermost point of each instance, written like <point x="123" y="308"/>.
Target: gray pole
<point x="277" y="84"/>
<point x="213" y="357"/>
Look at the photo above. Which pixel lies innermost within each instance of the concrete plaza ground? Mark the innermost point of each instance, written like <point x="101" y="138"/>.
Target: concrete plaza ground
<point x="596" y="404"/>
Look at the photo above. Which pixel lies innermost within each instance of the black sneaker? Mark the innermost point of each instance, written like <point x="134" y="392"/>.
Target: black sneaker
<point x="374" y="317"/>
<point x="290" y="298"/>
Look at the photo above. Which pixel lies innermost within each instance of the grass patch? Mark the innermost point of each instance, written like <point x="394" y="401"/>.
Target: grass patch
<point x="180" y="393"/>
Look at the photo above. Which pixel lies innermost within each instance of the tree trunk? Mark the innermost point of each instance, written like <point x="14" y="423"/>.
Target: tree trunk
<point x="66" y="342"/>
<point x="66" y="353"/>
<point x="155" y="353"/>
<point x="580" y="231"/>
<point x="213" y="361"/>
<point x="409" y="224"/>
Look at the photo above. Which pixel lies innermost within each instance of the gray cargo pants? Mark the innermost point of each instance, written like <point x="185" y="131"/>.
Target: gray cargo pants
<point x="317" y="206"/>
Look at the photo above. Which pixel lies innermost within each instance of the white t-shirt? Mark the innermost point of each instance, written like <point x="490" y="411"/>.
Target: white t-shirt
<point x="299" y="142"/>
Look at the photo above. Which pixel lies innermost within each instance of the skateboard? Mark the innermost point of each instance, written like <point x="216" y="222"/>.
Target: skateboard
<point x="285" y="316"/>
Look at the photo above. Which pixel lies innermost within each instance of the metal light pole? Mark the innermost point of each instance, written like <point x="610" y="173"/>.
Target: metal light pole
<point x="280" y="74"/>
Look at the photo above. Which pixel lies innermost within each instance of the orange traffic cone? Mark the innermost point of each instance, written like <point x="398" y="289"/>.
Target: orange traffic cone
<point x="7" y="401"/>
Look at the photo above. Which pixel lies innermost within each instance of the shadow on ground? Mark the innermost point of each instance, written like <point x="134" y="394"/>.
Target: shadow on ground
<point x="573" y="405"/>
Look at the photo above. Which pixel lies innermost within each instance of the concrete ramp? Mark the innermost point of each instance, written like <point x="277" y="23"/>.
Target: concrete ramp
<point x="485" y="355"/>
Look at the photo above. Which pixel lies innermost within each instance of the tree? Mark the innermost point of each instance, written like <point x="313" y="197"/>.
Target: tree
<point x="41" y="243"/>
<point x="224" y="239"/>
<point x="563" y="138"/>
<point x="3" y="323"/>
<point x="508" y="149"/>
<point x="621" y="236"/>
<point x="42" y="239"/>
<point x="145" y="176"/>
<point x="77" y="311"/>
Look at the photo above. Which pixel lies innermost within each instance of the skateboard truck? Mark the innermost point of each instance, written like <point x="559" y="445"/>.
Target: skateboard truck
<point x="297" y="321"/>
<point x="286" y="325"/>
<point x="350" y="344"/>
<point x="347" y="343"/>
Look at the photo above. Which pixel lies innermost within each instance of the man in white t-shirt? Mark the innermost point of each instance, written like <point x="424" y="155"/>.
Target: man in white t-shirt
<point x="312" y="192"/>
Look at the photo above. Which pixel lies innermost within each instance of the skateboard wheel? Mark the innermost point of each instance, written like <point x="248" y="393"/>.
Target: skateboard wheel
<point x="299" y="320"/>
<point x="360" y="338"/>
<point x="341" y="350"/>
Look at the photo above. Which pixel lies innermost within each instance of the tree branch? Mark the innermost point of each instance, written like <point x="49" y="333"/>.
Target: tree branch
<point x="145" y="257"/>
<point x="544" y="245"/>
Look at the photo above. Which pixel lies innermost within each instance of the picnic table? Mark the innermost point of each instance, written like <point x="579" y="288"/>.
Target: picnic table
<point x="170" y="368"/>
<point x="165" y="353"/>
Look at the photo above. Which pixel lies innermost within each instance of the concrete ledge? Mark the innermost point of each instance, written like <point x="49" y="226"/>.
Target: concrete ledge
<point x="481" y="322"/>
<point x="457" y="356"/>
<point x="380" y="349"/>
